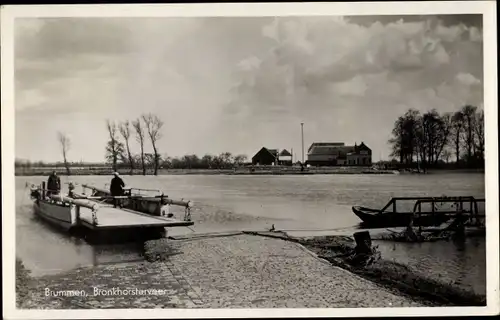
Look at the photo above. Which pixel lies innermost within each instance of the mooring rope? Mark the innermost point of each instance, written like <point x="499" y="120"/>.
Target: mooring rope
<point x="306" y="230"/>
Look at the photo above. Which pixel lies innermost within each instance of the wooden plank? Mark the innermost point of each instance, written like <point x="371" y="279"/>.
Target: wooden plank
<point x="455" y="198"/>
<point x="115" y="218"/>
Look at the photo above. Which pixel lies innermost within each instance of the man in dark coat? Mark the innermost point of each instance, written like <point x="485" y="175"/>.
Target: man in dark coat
<point x="53" y="184"/>
<point x="116" y="188"/>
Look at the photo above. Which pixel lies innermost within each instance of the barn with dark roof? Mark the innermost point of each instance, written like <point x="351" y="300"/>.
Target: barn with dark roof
<point x="338" y="154"/>
<point x="266" y="157"/>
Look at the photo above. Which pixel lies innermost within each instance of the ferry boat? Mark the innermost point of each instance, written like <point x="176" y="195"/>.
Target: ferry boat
<point x="72" y="210"/>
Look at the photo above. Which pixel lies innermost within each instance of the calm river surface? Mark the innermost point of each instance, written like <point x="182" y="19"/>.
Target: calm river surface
<point x="293" y="202"/>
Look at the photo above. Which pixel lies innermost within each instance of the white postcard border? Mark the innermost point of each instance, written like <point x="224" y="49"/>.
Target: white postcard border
<point x="487" y="8"/>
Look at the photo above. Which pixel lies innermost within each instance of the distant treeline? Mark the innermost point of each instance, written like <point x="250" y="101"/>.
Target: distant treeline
<point x="223" y="161"/>
<point x="432" y="140"/>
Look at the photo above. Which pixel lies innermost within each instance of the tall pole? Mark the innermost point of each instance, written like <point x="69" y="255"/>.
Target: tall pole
<point x="302" y="131"/>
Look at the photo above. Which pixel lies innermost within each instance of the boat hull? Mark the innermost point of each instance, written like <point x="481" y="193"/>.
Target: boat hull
<point x="59" y="214"/>
<point x="376" y="218"/>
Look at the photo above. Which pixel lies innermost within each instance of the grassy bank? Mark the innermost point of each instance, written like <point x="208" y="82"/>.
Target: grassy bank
<point x="338" y="250"/>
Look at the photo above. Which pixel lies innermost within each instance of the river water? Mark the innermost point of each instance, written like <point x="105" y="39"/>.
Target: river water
<point x="302" y="205"/>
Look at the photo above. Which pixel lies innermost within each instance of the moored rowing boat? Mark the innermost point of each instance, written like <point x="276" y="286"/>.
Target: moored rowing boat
<point x="378" y="218"/>
<point x="434" y="216"/>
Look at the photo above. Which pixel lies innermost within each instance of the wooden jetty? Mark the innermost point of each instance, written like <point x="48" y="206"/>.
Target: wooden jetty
<point x="390" y="216"/>
<point x="72" y="210"/>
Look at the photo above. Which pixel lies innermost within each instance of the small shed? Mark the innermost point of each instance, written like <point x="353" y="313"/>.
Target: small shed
<point x="285" y="158"/>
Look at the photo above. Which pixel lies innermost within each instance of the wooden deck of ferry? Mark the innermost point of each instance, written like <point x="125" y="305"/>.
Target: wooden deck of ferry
<point x="121" y="218"/>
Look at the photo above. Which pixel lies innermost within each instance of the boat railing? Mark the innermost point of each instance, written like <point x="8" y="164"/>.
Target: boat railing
<point x="460" y="202"/>
<point x="394" y="200"/>
<point x="140" y="190"/>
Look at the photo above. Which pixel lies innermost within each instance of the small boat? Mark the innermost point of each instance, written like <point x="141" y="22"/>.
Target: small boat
<point x="61" y="210"/>
<point x="385" y="217"/>
<point x="378" y="218"/>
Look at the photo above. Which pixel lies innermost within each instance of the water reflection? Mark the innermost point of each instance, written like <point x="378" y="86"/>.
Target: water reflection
<point x="460" y="262"/>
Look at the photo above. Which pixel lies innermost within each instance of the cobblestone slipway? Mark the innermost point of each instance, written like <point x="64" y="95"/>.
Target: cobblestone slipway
<point x="242" y="271"/>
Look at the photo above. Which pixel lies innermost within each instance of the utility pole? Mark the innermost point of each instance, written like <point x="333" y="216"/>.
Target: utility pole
<point x="302" y="131"/>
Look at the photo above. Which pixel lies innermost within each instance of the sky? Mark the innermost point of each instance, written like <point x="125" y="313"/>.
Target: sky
<point x="237" y="84"/>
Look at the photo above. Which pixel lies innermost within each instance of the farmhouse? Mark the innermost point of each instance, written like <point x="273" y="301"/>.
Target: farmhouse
<point x="266" y="157"/>
<point x="338" y="154"/>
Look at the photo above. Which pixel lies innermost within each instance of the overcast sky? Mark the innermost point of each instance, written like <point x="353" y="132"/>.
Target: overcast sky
<point x="237" y="84"/>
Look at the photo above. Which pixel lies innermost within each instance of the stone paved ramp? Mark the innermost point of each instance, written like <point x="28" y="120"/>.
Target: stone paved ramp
<point x="241" y="271"/>
<point x="257" y="272"/>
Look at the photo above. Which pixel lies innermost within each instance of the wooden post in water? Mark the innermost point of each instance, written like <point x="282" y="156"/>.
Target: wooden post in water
<point x="43" y="189"/>
<point x="459" y="227"/>
<point x="363" y="242"/>
<point x="433" y="210"/>
<point x="472" y="213"/>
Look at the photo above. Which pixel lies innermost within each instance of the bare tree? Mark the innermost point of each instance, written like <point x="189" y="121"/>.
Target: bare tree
<point x="240" y="159"/>
<point x="125" y="131"/>
<point x="479" y="130"/>
<point x="446" y="155"/>
<point x="65" y="145"/>
<point x="406" y="136"/>
<point x="153" y="126"/>
<point x="457" y="129"/>
<point x="114" y="147"/>
<point x="469" y="113"/>
<point x="443" y="136"/>
<point x="139" y="130"/>
<point x="207" y="161"/>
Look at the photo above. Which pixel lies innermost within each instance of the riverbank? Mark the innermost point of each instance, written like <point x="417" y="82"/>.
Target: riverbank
<point x="338" y="250"/>
<point x="264" y="170"/>
<point x="240" y="270"/>
<point x="236" y="171"/>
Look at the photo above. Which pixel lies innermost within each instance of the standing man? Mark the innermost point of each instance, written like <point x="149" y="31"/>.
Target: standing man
<point x="53" y="184"/>
<point x="116" y="189"/>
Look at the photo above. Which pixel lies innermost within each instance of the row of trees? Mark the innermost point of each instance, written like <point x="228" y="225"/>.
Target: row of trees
<point x="144" y="127"/>
<point x="148" y="127"/>
<point x="119" y="153"/>
<point x="223" y="161"/>
<point x="426" y="139"/>
<point x="135" y="161"/>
